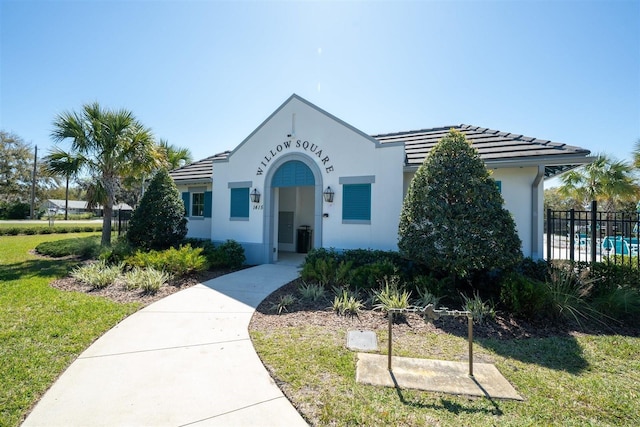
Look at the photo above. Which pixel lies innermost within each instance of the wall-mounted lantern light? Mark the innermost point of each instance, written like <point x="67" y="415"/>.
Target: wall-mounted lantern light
<point x="328" y="195"/>
<point x="255" y="196"/>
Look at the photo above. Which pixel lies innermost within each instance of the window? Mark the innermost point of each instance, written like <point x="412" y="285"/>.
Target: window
<point x="239" y="203"/>
<point x="356" y="203"/>
<point x="197" y="204"/>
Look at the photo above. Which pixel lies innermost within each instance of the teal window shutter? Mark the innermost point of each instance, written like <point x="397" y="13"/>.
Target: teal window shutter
<point x="187" y="200"/>
<point x="356" y="202"/>
<point x="239" y="203"/>
<point x="207" y="204"/>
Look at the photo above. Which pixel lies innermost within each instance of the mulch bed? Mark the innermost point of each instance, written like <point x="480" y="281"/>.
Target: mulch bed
<point x="504" y="327"/>
<point x="119" y="294"/>
<point x="302" y="314"/>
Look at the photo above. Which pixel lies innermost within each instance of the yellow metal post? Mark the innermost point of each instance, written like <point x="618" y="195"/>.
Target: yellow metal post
<point x="390" y="315"/>
<point x="470" y="318"/>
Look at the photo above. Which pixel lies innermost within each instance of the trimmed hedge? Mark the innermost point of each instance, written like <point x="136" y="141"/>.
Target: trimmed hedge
<point x="56" y="229"/>
<point x="229" y="254"/>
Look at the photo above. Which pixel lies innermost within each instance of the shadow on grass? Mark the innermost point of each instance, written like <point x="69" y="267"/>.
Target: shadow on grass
<point x="36" y="268"/>
<point x="552" y="347"/>
<point x="560" y="353"/>
<point x="446" y="404"/>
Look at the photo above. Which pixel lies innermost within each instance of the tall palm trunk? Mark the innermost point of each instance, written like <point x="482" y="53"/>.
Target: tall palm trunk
<point x="66" y="200"/>
<point x="110" y="188"/>
<point x="106" y="225"/>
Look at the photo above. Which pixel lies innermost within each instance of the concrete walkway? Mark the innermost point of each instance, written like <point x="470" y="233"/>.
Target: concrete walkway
<point x="184" y="360"/>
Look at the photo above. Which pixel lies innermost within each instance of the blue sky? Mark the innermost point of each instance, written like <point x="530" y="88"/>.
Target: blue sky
<point x="205" y="74"/>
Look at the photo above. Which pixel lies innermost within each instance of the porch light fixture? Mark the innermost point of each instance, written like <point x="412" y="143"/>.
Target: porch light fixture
<point x="255" y="196"/>
<point x="328" y="195"/>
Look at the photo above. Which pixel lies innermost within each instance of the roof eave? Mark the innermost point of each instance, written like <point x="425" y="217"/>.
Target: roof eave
<point x="193" y="181"/>
<point x="568" y="161"/>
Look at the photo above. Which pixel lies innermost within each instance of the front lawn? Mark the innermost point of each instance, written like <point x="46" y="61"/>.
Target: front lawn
<point x="566" y="377"/>
<point x="42" y="330"/>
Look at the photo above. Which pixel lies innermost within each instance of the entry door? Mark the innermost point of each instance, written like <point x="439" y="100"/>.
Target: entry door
<point x="285" y="228"/>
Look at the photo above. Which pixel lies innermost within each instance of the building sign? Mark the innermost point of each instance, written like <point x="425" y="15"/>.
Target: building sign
<point x="298" y="145"/>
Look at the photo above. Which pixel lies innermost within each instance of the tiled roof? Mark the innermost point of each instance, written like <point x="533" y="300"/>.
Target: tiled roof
<point x="200" y="171"/>
<point x="73" y="204"/>
<point x="494" y="147"/>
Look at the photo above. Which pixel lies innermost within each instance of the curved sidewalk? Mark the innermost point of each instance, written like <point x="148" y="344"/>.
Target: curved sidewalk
<point x="186" y="360"/>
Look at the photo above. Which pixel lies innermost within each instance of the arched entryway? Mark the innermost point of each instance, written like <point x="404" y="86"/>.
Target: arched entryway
<point x="293" y="206"/>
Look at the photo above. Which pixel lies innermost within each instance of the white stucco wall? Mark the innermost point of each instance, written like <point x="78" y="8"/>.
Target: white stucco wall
<point x="517" y="195"/>
<point x="334" y="150"/>
<point x="197" y="227"/>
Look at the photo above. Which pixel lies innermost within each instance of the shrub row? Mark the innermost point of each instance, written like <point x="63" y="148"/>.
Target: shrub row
<point x="229" y="254"/>
<point x="178" y="262"/>
<point x="534" y="289"/>
<point x="357" y="268"/>
<point x="579" y="292"/>
<point x="200" y="255"/>
<point x="57" y="229"/>
<point x="82" y="247"/>
<point x="75" y="216"/>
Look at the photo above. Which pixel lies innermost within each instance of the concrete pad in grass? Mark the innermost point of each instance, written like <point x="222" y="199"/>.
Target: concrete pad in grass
<point x="362" y="340"/>
<point x="434" y="375"/>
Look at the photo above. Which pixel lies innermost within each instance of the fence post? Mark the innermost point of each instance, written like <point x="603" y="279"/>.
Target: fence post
<point x="572" y="240"/>
<point x="594" y="226"/>
<point x="549" y="233"/>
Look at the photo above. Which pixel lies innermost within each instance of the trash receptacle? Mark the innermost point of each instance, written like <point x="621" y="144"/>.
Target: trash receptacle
<point x="304" y="239"/>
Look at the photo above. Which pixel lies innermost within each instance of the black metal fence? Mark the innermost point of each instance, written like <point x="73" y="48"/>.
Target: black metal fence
<point x="592" y="236"/>
<point x="120" y="221"/>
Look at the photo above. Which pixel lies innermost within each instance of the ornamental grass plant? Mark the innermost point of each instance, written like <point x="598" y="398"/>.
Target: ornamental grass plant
<point x="98" y="274"/>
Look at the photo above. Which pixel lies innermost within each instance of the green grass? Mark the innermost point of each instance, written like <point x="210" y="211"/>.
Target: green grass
<point x="42" y="330"/>
<point x="567" y="380"/>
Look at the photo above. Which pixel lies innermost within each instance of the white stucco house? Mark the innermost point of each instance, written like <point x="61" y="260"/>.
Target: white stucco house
<point x="79" y="207"/>
<point x="306" y="179"/>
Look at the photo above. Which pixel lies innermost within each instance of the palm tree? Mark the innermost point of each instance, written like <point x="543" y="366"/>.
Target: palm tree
<point x="111" y="143"/>
<point x="606" y="180"/>
<point x="166" y="156"/>
<point x="176" y="157"/>
<point x="60" y="162"/>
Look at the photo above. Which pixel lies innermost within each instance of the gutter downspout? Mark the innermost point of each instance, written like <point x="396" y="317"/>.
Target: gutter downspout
<point x="535" y="210"/>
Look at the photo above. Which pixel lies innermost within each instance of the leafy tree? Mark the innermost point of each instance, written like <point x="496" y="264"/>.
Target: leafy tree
<point x="452" y="217"/>
<point x="60" y="162"/>
<point x="605" y="180"/>
<point x="111" y="144"/>
<point x="636" y="154"/>
<point x="555" y="200"/>
<point x="16" y="168"/>
<point x="168" y="156"/>
<point x="159" y="221"/>
<point x="14" y="210"/>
